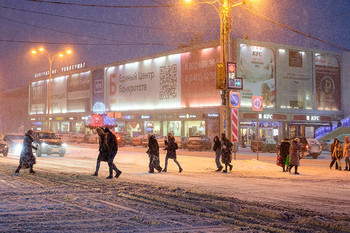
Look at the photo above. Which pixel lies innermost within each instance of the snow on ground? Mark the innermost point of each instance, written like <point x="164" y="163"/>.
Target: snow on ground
<point x="318" y="192"/>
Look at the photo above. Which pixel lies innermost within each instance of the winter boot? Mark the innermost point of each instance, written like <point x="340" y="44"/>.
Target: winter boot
<point x="118" y="174"/>
<point x="109" y="177"/>
<point x="180" y="170"/>
<point x="164" y="170"/>
<point x="296" y="170"/>
<point x="230" y="167"/>
<point x="95" y="174"/>
<point x="346" y="168"/>
<point x="31" y="171"/>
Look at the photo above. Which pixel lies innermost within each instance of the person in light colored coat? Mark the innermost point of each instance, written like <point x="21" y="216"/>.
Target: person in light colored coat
<point x="294" y="155"/>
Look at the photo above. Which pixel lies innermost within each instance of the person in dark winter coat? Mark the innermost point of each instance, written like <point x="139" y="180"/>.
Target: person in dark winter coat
<point x="171" y="147"/>
<point x="27" y="159"/>
<point x="294" y="155"/>
<point x="337" y="153"/>
<point x="153" y="153"/>
<point x="103" y="149"/>
<point x="217" y="149"/>
<point x="284" y="152"/>
<point x="334" y="159"/>
<point x="226" y="152"/>
<point x="112" y="152"/>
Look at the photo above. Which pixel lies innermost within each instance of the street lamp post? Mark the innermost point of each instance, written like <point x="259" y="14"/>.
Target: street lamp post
<point x="50" y="58"/>
<point x="224" y="9"/>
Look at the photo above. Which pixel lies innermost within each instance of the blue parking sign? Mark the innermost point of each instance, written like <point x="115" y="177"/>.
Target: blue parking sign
<point x="235" y="99"/>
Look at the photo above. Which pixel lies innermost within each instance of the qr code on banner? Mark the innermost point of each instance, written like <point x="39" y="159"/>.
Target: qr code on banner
<point x="168" y="82"/>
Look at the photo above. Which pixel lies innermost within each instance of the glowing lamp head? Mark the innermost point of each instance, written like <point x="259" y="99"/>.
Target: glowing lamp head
<point x="60" y="55"/>
<point x="41" y="49"/>
<point x="34" y="52"/>
<point x="69" y="51"/>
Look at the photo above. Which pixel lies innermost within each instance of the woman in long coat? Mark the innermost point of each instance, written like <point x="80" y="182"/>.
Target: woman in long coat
<point x="27" y="159"/>
<point x="284" y="152"/>
<point x="226" y="148"/>
<point x="103" y="149"/>
<point x="171" y="147"/>
<point x="153" y="153"/>
<point x="294" y="156"/>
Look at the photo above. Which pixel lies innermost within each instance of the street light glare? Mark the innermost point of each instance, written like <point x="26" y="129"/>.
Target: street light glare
<point x="69" y="51"/>
<point x="60" y="55"/>
<point x="41" y="49"/>
<point x="188" y="0"/>
<point x="34" y="52"/>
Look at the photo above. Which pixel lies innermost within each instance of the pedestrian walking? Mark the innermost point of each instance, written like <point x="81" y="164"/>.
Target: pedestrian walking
<point x="171" y="147"/>
<point x="153" y="154"/>
<point x="112" y="152"/>
<point x="294" y="155"/>
<point x="226" y="152"/>
<point x="217" y="149"/>
<point x="334" y="159"/>
<point x="346" y="153"/>
<point x="337" y="153"/>
<point x="27" y="159"/>
<point x="103" y="149"/>
<point x="284" y="152"/>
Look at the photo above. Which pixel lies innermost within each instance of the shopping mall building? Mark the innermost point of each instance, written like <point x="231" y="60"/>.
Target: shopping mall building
<point x="176" y="92"/>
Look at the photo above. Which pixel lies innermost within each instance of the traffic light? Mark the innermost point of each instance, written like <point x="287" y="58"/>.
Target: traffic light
<point x="220" y="76"/>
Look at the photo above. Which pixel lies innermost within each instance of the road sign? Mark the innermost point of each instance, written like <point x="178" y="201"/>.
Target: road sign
<point x="257" y="103"/>
<point x="234" y="125"/>
<point x="235" y="99"/>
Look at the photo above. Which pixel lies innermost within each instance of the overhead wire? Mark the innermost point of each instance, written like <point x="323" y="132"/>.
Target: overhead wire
<point x="294" y="30"/>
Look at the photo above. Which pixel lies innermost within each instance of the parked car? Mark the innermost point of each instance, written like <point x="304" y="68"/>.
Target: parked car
<point x="48" y="143"/>
<point x="80" y="138"/>
<point x="260" y="145"/>
<point x="63" y="136"/>
<point x="181" y="141"/>
<point x="137" y="141"/>
<point x="121" y="139"/>
<point x="3" y="148"/>
<point x="198" y="142"/>
<point x="73" y="137"/>
<point x="92" y="138"/>
<point x="14" y="142"/>
<point x="326" y="144"/>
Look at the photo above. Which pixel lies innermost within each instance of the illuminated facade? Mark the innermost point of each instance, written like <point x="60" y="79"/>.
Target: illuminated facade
<point x="175" y="92"/>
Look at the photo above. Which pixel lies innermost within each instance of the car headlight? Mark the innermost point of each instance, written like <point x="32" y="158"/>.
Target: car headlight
<point x="18" y="148"/>
<point x="6" y="146"/>
<point x="64" y="145"/>
<point x="43" y="144"/>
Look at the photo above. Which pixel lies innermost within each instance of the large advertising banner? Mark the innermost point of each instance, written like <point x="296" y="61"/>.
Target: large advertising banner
<point x="149" y="84"/>
<point x="198" y="87"/>
<point x="97" y="86"/>
<point x="295" y="85"/>
<point x="327" y="82"/>
<point x="38" y="97"/>
<point x="256" y="65"/>
<point x="78" y="92"/>
<point x="58" y="97"/>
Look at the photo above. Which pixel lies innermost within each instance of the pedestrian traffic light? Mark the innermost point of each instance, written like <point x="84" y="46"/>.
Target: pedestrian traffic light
<point x="220" y="76"/>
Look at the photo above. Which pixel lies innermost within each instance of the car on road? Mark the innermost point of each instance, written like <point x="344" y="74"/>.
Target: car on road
<point x="14" y="142"/>
<point x="137" y="141"/>
<point x="326" y="144"/>
<point x="3" y="148"/>
<point x="122" y="138"/>
<point x="48" y="143"/>
<point x="198" y="142"/>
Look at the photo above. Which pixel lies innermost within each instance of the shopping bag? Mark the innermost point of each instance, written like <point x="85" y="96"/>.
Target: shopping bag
<point x="287" y="160"/>
<point x="278" y="162"/>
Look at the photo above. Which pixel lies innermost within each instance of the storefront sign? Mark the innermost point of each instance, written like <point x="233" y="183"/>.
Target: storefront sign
<point x="187" y="116"/>
<point x="142" y="117"/>
<point x="213" y="115"/>
<point x="313" y="118"/>
<point x="299" y="117"/>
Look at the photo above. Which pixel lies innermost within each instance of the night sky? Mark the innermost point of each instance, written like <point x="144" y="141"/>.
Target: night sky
<point x="101" y="35"/>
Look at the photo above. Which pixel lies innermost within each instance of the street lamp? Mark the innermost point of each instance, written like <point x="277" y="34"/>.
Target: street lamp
<point x="224" y="9"/>
<point x="50" y="58"/>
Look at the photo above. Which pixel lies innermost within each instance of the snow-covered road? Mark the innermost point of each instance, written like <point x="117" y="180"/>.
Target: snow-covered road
<point x="318" y="188"/>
